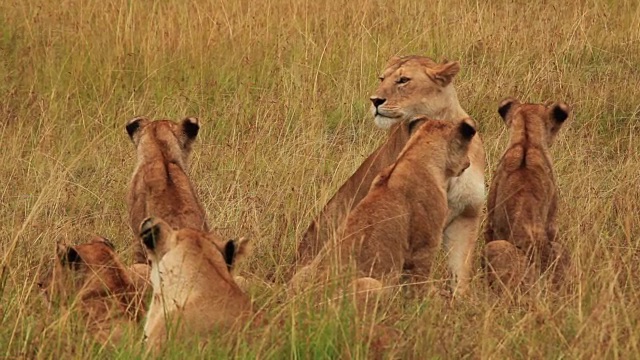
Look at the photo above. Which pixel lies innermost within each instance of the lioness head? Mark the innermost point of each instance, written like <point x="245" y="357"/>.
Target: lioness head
<point x="173" y="140"/>
<point x="414" y="85"/>
<point x="542" y="121"/>
<point x="454" y="137"/>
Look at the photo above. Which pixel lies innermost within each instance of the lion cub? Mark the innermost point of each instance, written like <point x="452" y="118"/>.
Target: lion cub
<point x="193" y="289"/>
<point x="91" y="277"/>
<point x="398" y="226"/>
<point x="521" y="224"/>
<point x="160" y="185"/>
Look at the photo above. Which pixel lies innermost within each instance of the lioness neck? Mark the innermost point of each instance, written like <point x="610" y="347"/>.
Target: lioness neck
<point x="452" y="110"/>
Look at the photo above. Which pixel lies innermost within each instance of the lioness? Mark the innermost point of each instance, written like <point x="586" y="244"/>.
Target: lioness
<point x="411" y="86"/>
<point x="193" y="290"/>
<point x="160" y="185"/>
<point x="91" y="277"/>
<point x="398" y="225"/>
<point x="523" y="197"/>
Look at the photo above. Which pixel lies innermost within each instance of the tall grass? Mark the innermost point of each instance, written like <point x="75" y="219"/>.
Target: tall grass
<point x="281" y="90"/>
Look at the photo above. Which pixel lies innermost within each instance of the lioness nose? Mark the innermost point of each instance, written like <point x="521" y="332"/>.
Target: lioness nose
<point x="377" y="101"/>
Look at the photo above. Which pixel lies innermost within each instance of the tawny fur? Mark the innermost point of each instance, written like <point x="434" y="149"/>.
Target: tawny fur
<point x="523" y="198"/>
<point x="397" y="227"/>
<point x="193" y="289"/>
<point x="160" y="185"/>
<point x="91" y="277"/>
<point x="411" y="86"/>
<point x="326" y="224"/>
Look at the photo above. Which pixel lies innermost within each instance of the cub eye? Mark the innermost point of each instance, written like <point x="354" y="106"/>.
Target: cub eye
<point x="381" y="78"/>
<point x="402" y="80"/>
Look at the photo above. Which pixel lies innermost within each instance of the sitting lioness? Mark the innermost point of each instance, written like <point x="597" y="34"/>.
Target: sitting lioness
<point x="521" y="230"/>
<point x="397" y="227"/>
<point x="91" y="277"/>
<point x="160" y="185"/>
<point x="412" y="86"/>
<point x="193" y="289"/>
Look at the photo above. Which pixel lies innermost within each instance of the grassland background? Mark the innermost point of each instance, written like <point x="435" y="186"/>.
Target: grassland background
<point x="281" y="89"/>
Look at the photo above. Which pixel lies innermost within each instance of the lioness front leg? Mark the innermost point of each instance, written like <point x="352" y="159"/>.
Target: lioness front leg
<point x="459" y="241"/>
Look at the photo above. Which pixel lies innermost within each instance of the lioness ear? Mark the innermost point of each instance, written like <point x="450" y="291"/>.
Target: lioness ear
<point x="560" y="112"/>
<point x="134" y="124"/>
<point x="505" y="106"/>
<point x="190" y="127"/>
<point x="69" y="256"/>
<point x="235" y="250"/>
<point x="444" y="73"/>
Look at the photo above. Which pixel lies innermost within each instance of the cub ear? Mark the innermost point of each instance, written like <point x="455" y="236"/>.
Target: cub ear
<point x="190" y="127"/>
<point x="150" y="232"/>
<point x="107" y="242"/>
<point x="444" y="73"/>
<point x="134" y="124"/>
<point x="560" y="112"/>
<point x="505" y="106"/>
<point x="69" y="256"/>
<point x="466" y="131"/>
<point x="415" y="123"/>
<point x="235" y="250"/>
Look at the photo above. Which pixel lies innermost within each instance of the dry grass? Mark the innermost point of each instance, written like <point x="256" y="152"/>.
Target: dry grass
<point x="281" y="89"/>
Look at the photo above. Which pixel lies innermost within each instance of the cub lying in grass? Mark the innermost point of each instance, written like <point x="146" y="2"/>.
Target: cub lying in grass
<point x="90" y="277"/>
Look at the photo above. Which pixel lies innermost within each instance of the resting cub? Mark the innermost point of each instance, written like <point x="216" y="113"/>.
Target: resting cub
<point x="522" y="204"/>
<point x="160" y="185"/>
<point x="398" y="225"/>
<point x="193" y="289"/>
<point x="91" y="276"/>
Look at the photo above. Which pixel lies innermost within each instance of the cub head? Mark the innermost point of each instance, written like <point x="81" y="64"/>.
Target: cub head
<point x="451" y="140"/>
<point x="160" y="241"/>
<point x="172" y="139"/>
<point x="540" y="121"/>
<point x="413" y="85"/>
<point x="84" y="267"/>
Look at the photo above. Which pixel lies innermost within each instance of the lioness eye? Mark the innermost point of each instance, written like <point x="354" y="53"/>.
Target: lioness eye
<point x="381" y="78"/>
<point x="402" y="80"/>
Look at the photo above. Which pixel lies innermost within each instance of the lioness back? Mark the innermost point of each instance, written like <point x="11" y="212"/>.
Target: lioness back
<point x="160" y="185"/>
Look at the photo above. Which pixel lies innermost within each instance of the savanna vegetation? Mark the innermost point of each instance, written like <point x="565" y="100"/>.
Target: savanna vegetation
<point x="281" y="89"/>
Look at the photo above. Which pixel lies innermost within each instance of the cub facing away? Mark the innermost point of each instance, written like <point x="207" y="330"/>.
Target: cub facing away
<point x="521" y="229"/>
<point x="91" y="277"/>
<point x="160" y="185"/>
<point x="193" y="289"/>
<point x="397" y="228"/>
